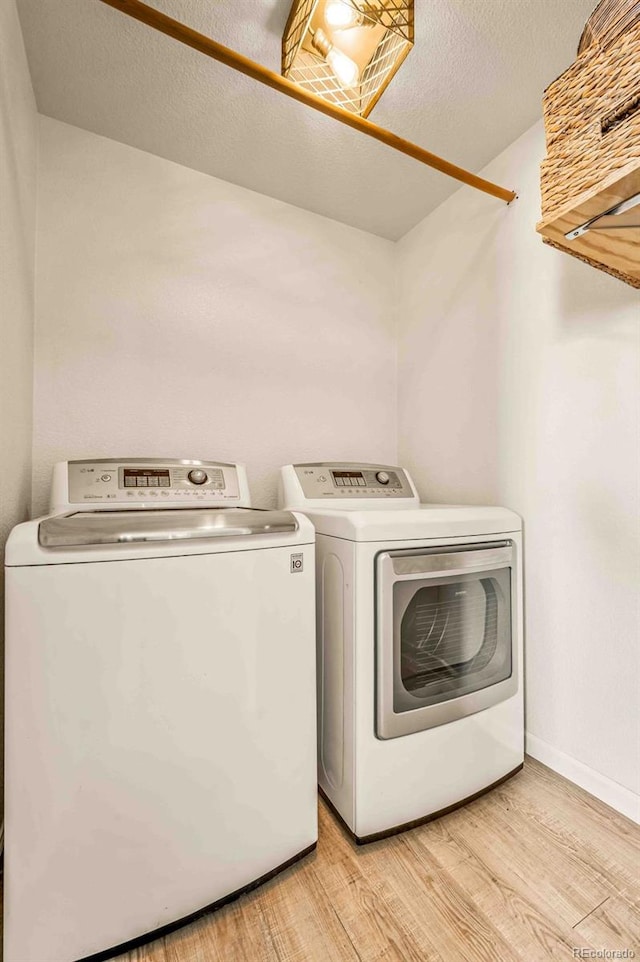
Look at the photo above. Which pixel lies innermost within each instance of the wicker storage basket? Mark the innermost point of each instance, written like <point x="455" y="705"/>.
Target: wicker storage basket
<point x="608" y="21"/>
<point x="592" y="120"/>
<point x="592" y="125"/>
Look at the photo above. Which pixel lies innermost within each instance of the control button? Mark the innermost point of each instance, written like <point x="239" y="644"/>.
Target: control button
<point x="164" y="483"/>
<point x="382" y="477"/>
<point x="105" y="477"/>
<point x="141" y="482"/>
<point x="153" y="482"/>
<point x="340" y="481"/>
<point x="361" y="482"/>
<point x="129" y="482"/>
<point x="165" y="494"/>
<point x="322" y="478"/>
<point x="197" y="476"/>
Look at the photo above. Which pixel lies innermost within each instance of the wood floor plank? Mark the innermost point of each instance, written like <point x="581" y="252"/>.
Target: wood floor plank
<point x="632" y="895"/>
<point x="437" y="918"/>
<point x="153" y="952"/>
<point x="515" y="909"/>
<point x="466" y="932"/>
<point x="376" y="920"/>
<point x="302" y="922"/>
<point x="590" y="856"/>
<point x="527" y="873"/>
<point x="234" y="933"/>
<point x="613" y="925"/>
<point x="611" y="840"/>
<point x="506" y="841"/>
<point x="445" y="849"/>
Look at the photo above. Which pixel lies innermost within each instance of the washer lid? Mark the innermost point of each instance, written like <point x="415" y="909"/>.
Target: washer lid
<point x="131" y="527"/>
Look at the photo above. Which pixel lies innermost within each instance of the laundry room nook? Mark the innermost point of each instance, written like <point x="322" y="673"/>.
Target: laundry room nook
<point x="320" y="480"/>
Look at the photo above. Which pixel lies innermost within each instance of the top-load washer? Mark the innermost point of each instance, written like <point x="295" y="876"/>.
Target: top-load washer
<point x="419" y="632"/>
<point x="160" y="719"/>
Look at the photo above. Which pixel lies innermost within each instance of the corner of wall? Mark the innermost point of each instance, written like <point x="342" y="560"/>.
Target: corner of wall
<point x="18" y="174"/>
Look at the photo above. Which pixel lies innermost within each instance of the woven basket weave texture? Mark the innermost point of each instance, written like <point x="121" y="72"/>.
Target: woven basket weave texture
<point x="592" y="121"/>
<point x="609" y="19"/>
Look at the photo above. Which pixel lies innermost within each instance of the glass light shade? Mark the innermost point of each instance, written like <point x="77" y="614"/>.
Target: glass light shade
<point x="362" y="43"/>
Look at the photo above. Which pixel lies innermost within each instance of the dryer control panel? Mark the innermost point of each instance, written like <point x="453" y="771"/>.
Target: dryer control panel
<point x="148" y="483"/>
<point x="346" y="485"/>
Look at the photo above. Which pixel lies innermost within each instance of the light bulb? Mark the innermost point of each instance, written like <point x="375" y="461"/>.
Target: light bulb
<point x="346" y="71"/>
<point x="341" y="15"/>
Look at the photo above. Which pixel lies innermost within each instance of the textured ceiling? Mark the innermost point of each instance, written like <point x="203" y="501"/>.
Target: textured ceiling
<point x="471" y="85"/>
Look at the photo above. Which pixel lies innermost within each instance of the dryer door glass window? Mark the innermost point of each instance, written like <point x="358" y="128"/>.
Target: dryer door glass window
<point x="453" y="637"/>
<point x="445" y="645"/>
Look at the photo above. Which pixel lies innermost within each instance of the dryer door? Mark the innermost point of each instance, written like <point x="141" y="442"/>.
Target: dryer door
<point x="445" y="646"/>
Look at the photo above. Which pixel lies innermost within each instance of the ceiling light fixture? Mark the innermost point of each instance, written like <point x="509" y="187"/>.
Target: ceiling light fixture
<point x="347" y="51"/>
<point x="156" y="20"/>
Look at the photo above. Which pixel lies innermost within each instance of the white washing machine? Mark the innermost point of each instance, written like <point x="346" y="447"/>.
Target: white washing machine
<point x="160" y="704"/>
<point x="419" y="629"/>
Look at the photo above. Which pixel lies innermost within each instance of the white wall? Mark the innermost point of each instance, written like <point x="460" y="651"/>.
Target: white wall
<point x="182" y="316"/>
<point x="519" y="385"/>
<point x="18" y="133"/>
<point x="179" y="315"/>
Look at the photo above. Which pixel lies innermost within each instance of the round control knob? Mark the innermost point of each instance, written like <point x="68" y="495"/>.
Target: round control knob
<point x="197" y="476"/>
<point x="383" y="477"/>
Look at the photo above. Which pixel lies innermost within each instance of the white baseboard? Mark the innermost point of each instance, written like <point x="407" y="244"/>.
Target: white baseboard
<point x="612" y="793"/>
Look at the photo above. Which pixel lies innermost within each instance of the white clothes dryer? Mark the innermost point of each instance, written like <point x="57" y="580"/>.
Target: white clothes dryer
<point x="160" y="719"/>
<point x="420" y="645"/>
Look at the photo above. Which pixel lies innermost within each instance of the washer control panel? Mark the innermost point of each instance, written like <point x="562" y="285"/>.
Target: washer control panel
<point x="353" y="482"/>
<point x="148" y="482"/>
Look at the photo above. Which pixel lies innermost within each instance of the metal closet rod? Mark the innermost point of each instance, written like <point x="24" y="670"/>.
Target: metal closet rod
<point x="173" y="28"/>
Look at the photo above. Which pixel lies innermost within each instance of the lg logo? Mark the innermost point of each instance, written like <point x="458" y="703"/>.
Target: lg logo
<point x="297" y="563"/>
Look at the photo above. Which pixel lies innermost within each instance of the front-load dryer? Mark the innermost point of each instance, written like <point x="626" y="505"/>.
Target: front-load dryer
<point x="160" y="706"/>
<point x="420" y="653"/>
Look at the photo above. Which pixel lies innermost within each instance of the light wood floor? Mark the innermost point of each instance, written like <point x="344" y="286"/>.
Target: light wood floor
<point x="528" y="872"/>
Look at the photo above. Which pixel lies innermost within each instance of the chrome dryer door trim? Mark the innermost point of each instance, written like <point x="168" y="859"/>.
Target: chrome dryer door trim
<point x="428" y="565"/>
